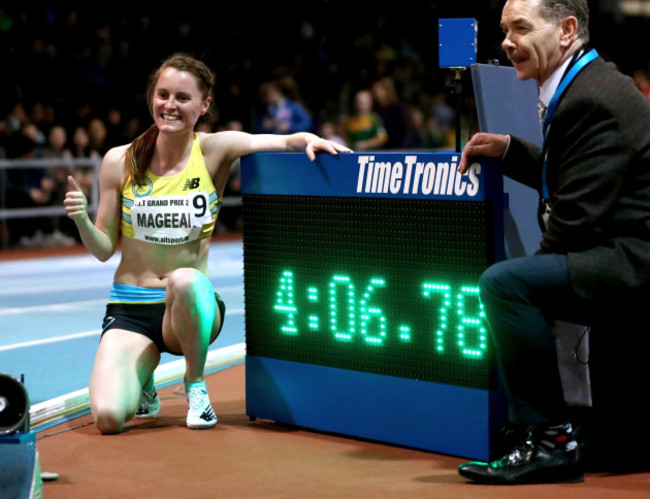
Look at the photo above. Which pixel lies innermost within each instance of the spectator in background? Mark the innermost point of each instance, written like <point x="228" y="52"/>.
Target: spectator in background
<point x="281" y="115"/>
<point x="393" y="113"/>
<point x="81" y="149"/>
<point x="27" y="188"/>
<point x="42" y="116"/>
<point x="16" y="126"/>
<point x="15" y="119"/>
<point x="131" y="129"/>
<point x="56" y="146"/>
<point x="443" y="113"/>
<point x="329" y="130"/>
<point x="83" y="114"/>
<point x="425" y="132"/>
<point x="62" y="228"/>
<point x="364" y="130"/>
<point x="97" y="134"/>
<point x="234" y="125"/>
<point x="81" y="144"/>
<point x="114" y="128"/>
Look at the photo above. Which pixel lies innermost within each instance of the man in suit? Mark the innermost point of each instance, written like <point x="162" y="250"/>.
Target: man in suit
<point x="593" y="175"/>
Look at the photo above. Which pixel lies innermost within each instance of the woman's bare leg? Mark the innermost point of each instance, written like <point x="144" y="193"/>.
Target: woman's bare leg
<point x="192" y="321"/>
<point x="123" y="364"/>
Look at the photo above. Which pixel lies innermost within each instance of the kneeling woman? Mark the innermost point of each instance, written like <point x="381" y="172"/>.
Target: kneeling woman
<point x="160" y="196"/>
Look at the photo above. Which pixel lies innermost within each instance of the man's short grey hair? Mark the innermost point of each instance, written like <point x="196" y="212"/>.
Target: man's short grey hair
<point x="558" y="10"/>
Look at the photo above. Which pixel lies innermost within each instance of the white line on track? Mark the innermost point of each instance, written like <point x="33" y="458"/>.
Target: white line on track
<point x="50" y="340"/>
<point x="57" y="288"/>
<point x="57" y="339"/>
<point x="58" y="307"/>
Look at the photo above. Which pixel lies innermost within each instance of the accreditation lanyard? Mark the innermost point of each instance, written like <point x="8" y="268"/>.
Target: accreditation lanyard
<point x="552" y="106"/>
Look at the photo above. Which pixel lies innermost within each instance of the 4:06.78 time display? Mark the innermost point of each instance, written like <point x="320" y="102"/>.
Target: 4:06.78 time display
<point x="350" y="311"/>
<point x="380" y="286"/>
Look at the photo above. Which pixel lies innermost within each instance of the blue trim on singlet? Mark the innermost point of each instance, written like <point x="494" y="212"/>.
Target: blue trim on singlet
<point x="215" y="197"/>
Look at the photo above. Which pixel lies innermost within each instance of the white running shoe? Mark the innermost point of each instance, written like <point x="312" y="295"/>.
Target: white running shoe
<point x="200" y="414"/>
<point x="149" y="402"/>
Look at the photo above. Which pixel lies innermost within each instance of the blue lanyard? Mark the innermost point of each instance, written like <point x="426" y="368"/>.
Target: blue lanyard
<point x="552" y="106"/>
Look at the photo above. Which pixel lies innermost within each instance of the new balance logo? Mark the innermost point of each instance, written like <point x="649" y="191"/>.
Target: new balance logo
<point x="191" y="183"/>
<point x="208" y="415"/>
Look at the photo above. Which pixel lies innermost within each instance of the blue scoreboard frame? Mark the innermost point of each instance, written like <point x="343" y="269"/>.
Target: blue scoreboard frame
<point x="362" y="309"/>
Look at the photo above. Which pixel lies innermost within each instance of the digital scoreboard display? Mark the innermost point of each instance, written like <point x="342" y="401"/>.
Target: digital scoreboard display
<point x="366" y="266"/>
<point x="355" y="284"/>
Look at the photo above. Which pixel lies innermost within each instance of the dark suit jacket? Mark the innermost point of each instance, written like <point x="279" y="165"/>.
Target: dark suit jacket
<point x="598" y="170"/>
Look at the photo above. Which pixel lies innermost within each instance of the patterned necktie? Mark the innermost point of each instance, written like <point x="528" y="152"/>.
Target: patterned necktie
<point x="541" y="109"/>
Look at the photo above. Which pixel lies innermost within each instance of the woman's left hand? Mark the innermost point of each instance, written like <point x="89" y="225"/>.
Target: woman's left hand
<point x="325" y="145"/>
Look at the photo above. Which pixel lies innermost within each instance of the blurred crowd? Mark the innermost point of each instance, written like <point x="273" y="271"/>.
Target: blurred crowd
<point x="74" y="76"/>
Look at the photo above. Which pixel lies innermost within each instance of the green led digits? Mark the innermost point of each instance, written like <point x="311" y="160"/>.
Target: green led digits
<point x="457" y="327"/>
<point x="405" y="333"/>
<point x="284" y="302"/>
<point x="336" y="284"/>
<point x="369" y="312"/>
<point x="471" y="322"/>
<point x="443" y="289"/>
<point x="312" y="296"/>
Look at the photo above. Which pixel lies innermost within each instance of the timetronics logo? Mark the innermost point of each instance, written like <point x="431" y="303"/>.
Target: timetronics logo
<point x="411" y="176"/>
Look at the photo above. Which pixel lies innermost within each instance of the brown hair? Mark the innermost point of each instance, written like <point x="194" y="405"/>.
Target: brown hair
<point x="140" y="153"/>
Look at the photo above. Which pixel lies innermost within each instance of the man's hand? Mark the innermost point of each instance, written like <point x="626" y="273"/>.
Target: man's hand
<point x="487" y="145"/>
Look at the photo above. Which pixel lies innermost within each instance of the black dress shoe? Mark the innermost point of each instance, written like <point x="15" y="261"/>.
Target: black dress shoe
<point x="529" y="462"/>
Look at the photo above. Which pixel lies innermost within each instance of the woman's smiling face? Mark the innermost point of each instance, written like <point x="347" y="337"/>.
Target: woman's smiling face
<point x="177" y="101"/>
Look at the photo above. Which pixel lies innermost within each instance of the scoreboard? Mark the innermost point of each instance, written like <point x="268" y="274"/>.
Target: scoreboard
<point x="363" y="316"/>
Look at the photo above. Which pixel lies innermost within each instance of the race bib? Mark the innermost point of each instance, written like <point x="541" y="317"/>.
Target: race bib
<point x="170" y="219"/>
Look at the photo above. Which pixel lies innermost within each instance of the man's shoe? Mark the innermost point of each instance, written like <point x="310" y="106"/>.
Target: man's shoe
<point x="530" y="462"/>
<point x="149" y="402"/>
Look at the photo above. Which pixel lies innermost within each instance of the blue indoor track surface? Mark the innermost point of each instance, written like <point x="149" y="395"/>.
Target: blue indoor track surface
<point x="51" y="310"/>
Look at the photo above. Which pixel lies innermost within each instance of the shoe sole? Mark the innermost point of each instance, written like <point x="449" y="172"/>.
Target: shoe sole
<point x="201" y="426"/>
<point x="531" y="479"/>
